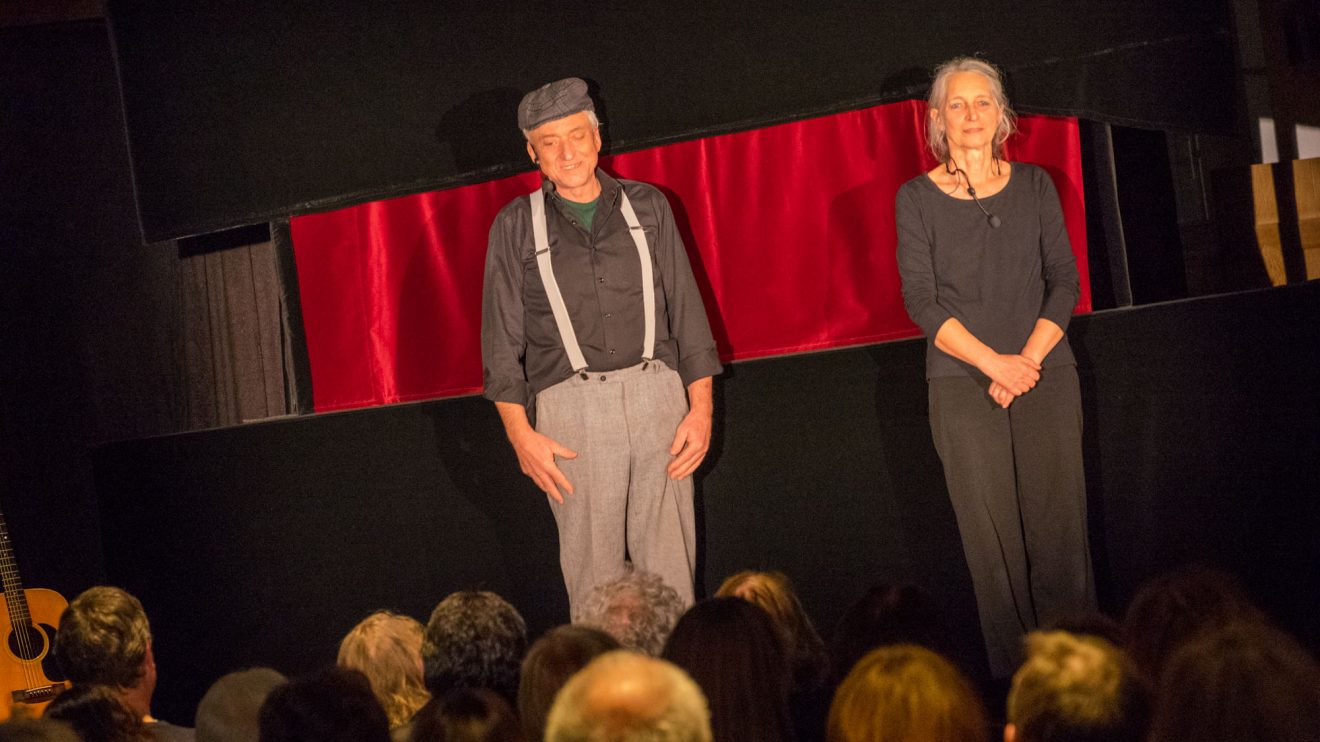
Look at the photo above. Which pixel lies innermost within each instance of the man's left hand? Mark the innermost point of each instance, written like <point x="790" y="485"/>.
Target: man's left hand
<point x="692" y="439"/>
<point x="691" y="442"/>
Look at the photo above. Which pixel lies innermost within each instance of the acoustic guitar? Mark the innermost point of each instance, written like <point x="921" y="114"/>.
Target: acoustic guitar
<point x="29" y="678"/>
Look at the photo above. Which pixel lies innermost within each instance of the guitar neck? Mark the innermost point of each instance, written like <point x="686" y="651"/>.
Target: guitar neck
<point x="15" y="598"/>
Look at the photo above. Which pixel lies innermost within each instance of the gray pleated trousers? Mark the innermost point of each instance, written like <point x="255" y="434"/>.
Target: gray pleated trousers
<point x="621" y="424"/>
<point x="1018" y="490"/>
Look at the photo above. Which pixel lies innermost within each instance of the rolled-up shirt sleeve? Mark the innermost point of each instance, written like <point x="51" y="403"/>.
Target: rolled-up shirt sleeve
<point x="688" y="325"/>
<point x="915" y="267"/>
<point x="503" y="341"/>
<point x="1058" y="264"/>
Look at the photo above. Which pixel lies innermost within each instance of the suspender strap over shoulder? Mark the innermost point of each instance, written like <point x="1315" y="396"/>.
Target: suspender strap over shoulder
<point x="541" y="238"/>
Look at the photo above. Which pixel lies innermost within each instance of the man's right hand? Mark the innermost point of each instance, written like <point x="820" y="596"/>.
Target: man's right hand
<point x="536" y="456"/>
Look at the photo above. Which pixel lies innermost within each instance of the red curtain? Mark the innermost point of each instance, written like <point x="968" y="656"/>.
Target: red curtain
<point x="790" y="230"/>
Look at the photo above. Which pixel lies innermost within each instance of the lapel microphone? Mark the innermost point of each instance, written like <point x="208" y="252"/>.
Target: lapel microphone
<point x="994" y="220"/>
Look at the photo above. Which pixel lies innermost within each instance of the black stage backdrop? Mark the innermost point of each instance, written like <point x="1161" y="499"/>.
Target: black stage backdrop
<point x="264" y="544"/>
<point x="241" y="112"/>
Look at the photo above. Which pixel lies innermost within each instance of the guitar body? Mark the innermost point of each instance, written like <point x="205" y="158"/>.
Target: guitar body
<point x="29" y="678"/>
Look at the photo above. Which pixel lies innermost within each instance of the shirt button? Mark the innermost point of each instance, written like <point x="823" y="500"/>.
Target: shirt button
<point x="600" y="280"/>
<point x="602" y="378"/>
<point x="611" y="351"/>
<point x="609" y="315"/>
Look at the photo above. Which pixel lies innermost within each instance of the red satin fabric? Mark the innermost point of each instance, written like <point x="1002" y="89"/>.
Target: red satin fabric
<point x="790" y="231"/>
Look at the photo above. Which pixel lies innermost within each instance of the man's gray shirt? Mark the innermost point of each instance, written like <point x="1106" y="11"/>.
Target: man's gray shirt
<point x="599" y="277"/>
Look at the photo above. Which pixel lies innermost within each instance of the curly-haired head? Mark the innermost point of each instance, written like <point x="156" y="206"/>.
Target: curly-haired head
<point x="104" y="638"/>
<point x="474" y="639"/>
<point x="638" y="609"/>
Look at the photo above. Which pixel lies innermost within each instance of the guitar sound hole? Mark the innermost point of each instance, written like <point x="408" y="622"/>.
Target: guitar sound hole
<point x="26" y="642"/>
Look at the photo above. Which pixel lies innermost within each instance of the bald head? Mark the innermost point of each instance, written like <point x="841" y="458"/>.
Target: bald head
<point x="626" y="697"/>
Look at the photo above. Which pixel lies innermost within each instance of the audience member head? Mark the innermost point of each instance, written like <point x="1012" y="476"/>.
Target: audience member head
<point x="97" y="713"/>
<point x="549" y="663"/>
<point x="229" y="710"/>
<point x="886" y="615"/>
<point x="387" y="648"/>
<point x="906" y="692"/>
<point x="735" y="653"/>
<point x="1170" y="608"/>
<point x="36" y="730"/>
<point x="638" y="609"/>
<point x="627" y="697"/>
<point x="473" y="640"/>
<point x="332" y="705"/>
<point x="468" y="715"/>
<point x="1076" y="689"/>
<point x="1242" y="681"/>
<point x="773" y="593"/>
<point x="104" y="639"/>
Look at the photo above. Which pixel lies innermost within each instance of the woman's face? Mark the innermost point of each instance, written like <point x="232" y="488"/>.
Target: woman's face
<point x="970" y="113"/>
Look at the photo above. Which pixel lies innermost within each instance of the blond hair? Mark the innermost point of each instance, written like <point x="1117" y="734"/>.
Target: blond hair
<point x="773" y="593"/>
<point x="104" y="638"/>
<point x="1074" y="682"/>
<point x="936" y="140"/>
<point x="387" y="648"/>
<point x="906" y="692"/>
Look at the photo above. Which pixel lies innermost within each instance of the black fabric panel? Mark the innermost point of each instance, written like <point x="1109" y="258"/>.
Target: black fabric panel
<point x="264" y="544"/>
<point x="241" y="113"/>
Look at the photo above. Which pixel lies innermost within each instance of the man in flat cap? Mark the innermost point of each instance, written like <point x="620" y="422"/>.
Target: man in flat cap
<point x="593" y="327"/>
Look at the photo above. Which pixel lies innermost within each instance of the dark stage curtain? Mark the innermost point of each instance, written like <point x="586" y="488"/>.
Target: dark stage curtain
<point x="790" y="230"/>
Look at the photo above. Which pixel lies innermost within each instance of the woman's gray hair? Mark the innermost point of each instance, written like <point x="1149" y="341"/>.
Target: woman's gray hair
<point x="939" y="87"/>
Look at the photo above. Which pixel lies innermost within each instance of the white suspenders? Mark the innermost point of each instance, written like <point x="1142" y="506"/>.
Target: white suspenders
<point x="540" y="235"/>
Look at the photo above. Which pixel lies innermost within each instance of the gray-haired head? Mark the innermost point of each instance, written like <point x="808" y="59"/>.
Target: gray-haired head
<point x="229" y="710"/>
<point x="626" y="697"/>
<point x="638" y="609"/>
<point x="936" y="139"/>
<point x="555" y="100"/>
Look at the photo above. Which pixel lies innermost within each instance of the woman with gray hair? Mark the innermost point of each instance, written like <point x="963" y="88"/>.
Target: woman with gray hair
<point x="989" y="276"/>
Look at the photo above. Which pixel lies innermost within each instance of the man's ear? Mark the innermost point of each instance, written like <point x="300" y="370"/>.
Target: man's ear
<point x="149" y="659"/>
<point x="531" y="152"/>
<point x="1010" y="733"/>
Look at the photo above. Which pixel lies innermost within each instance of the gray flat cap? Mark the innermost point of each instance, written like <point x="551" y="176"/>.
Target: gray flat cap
<point x="552" y="101"/>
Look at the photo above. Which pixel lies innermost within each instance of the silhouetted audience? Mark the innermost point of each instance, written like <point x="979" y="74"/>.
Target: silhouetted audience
<point x="97" y="713"/>
<point x="229" y="711"/>
<point x="906" y="693"/>
<point x="468" y="715"/>
<point x="37" y="730"/>
<point x="628" y="697"/>
<point x="809" y="698"/>
<point x="1172" y="607"/>
<point x="105" y="639"/>
<point x="638" y="609"/>
<point x="332" y="705"/>
<point x="387" y="648"/>
<point x="884" y="616"/>
<point x="550" y="662"/>
<point x="474" y="640"/>
<point x="1076" y="689"/>
<point x="735" y="653"/>
<point x="1244" y="680"/>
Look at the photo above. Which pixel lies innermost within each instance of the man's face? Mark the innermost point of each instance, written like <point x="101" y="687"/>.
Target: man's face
<point x="566" y="150"/>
